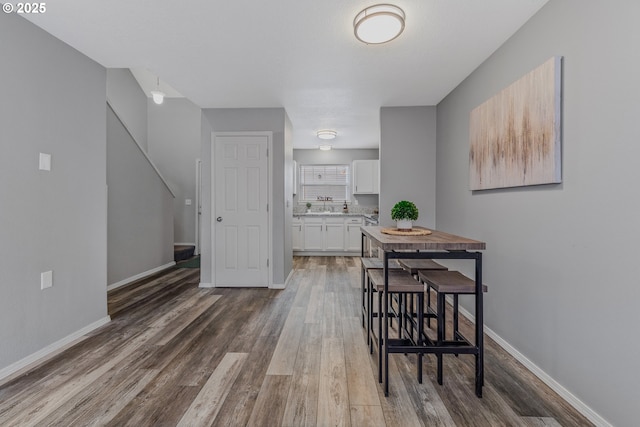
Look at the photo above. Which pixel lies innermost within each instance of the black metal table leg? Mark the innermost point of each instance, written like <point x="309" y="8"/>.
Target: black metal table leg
<point x="479" y="327"/>
<point x="440" y="333"/>
<point x="386" y="323"/>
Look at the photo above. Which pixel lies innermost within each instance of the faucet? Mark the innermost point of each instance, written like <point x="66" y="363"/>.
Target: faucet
<point x="324" y="200"/>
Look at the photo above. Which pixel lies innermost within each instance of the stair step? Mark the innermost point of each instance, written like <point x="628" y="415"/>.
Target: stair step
<point x="182" y="252"/>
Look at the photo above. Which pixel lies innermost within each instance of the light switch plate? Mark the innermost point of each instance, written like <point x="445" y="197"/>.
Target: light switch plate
<point x="45" y="162"/>
<point x="46" y="279"/>
<point x="187" y="202"/>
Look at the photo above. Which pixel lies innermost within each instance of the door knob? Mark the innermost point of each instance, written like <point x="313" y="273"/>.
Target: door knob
<point x="219" y="219"/>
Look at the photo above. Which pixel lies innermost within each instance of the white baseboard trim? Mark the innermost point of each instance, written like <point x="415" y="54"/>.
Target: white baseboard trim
<point x="139" y="276"/>
<point x="282" y="286"/>
<point x="206" y="285"/>
<point x="320" y="253"/>
<point x="21" y="366"/>
<point x="578" y="404"/>
<point x="184" y="244"/>
<point x="286" y="282"/>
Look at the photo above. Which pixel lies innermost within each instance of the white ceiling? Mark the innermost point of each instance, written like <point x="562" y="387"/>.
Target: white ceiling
<point x="296" y="54"/>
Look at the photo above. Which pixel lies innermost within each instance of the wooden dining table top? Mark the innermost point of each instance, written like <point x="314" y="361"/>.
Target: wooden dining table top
<point x="437" y="240"/>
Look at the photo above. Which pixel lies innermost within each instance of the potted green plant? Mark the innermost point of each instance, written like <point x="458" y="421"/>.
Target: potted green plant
<point x="308" y="206"/>
<point x="404" y="213"/>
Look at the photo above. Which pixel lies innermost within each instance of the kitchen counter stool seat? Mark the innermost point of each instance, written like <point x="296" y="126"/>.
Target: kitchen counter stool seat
<point x="415" y="265"/>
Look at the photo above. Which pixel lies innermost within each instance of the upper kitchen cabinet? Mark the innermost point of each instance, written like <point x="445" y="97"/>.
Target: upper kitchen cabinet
<point x="366" y="177"/>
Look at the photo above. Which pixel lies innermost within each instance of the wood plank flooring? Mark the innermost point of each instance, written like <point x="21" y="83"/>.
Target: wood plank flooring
<point x="175" y="354"/>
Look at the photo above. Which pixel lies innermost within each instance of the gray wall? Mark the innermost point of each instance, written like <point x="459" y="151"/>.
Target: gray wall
<point x="53" y="101"/>
<point x="169" y="134"/>
<point x="174" y="146"/>
<point x="560" y="260"/>
<point x="140" y="208"/>
<point x="248" y="119"/>
<point x="339" y="157"/>
<point x="129" y="101"/>
<point x="288" y="196"/>
<point x="408" y="161"/>
<point x="206" y="273"/>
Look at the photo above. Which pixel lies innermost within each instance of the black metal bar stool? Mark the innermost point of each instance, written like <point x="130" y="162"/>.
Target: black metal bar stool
<point x="413" y="266"/>
<point x="448" y="283"/>
<point x="371" y="264"/>
<point x="400" y="283"/>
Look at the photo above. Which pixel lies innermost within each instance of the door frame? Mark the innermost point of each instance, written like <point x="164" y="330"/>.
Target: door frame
<point x="198" y="209"/>
<point x="269" y="136"/>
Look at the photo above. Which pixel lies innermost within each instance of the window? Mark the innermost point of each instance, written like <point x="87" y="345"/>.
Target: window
<point x="324" y="181"/>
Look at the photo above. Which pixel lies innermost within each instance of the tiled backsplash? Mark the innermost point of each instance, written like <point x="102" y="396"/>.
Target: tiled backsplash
<point x="337" y="207"/>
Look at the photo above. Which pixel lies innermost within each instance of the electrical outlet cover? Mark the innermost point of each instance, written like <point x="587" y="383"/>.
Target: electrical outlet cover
<point x="46" y="279"/>
<point x="45" y="162"/>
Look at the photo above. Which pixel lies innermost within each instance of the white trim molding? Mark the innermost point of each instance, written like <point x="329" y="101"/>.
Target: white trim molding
<point x="286" y="282"/>
<point x="29" y="362"/>
<point x="139" y="276"/>
<point x="578" y="404"/>
<point x="142" y="150"/>
<point x="206" y="285"/>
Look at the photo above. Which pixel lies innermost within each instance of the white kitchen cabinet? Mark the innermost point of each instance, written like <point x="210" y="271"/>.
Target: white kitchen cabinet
<point x="353" y="235"/>
<point x="366" y="176"/>
<point x="313" y="234"/>
<point x="334" y="234"/>
<point x="297" y="234"/>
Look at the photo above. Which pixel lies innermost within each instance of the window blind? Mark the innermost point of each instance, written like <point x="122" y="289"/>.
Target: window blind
<point x="325" y="181"/>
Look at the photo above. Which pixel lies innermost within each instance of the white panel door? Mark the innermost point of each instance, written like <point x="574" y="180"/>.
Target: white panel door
<point x="241" y="219"/>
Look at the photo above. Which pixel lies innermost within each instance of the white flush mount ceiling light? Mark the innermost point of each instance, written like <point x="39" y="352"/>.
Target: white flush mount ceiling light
<point x="379" y="24"/>
<point x="327" y="134"/>
<point x="158" y="95"/>
<point x="325" y="147"/>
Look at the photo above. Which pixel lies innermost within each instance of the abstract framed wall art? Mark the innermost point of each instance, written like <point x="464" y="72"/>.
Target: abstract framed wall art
<point x="515" y="136"/>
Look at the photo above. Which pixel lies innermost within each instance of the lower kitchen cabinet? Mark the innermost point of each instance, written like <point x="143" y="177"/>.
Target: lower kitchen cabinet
<point x="297" y="234"/>
<point x="334" y="234"/>
<point x="352" y="234"/>
<point x="313" y="234"/>
<point x="326" y="234"/>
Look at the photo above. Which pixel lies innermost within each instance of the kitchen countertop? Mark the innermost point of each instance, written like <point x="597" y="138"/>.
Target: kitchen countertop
<point x="329" y="214"/>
